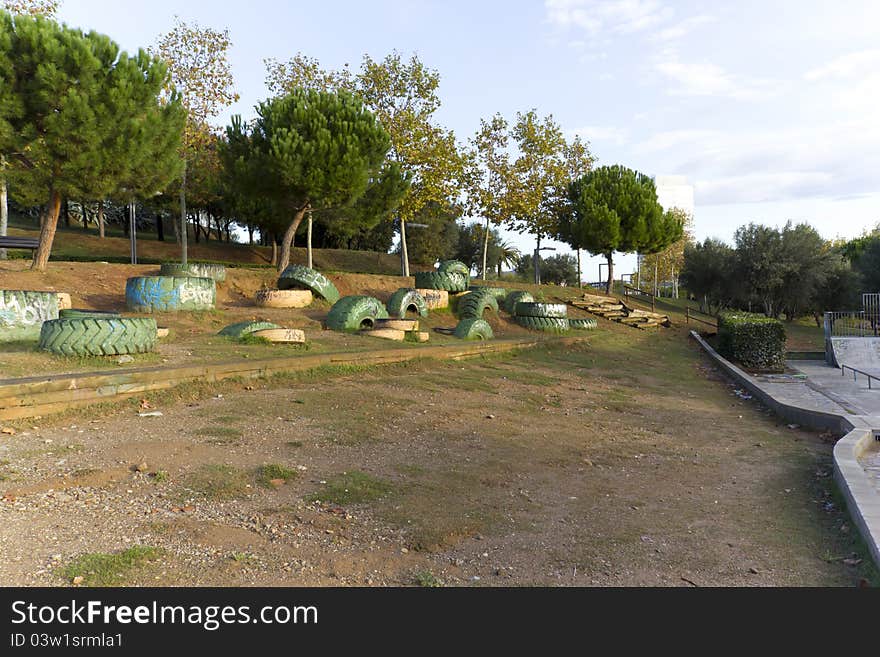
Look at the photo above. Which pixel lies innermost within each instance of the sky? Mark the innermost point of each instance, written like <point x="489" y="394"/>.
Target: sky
<point x="768" y="108"/>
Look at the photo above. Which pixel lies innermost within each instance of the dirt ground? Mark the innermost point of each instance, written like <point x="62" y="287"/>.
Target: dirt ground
<point x="624" y="461"/>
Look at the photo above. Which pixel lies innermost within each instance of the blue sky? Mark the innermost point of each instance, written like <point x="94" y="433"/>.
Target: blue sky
<point x="767" y="107"/>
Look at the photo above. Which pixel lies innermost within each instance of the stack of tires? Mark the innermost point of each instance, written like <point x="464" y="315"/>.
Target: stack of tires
<point x="451" y="276"/>
<point x="148" y="294"/>
<point x="547" y="317"/>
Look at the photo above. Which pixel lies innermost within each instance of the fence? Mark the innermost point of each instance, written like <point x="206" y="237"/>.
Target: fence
<point x="851" y="324"/>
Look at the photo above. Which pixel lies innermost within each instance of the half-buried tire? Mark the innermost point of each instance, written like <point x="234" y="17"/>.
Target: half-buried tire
<point x="546" y="324"/>
<point x="92" y="336"/>
<point x="582" y="324"/>
<point x="474" y="304"/>
<point x="241" y="329"/>
<point x="407" y="300"/>
<point x="355" y="313"/>
<point x="473" y="329"/>
<point x="148" y="294"/>
<point x="454" y="267"/>
<point x="304" y="278"/>
<point x="514" y="298"/>
<point x="197" y="269"/>
<point x="74" y="313"/>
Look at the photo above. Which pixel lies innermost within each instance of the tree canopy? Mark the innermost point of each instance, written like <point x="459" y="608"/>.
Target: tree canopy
<point x="308" y="150"/>
<point x="68" y="87"/>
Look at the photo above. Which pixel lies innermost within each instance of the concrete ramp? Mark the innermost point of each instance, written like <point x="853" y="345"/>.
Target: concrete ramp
<point x="861" y="353"/>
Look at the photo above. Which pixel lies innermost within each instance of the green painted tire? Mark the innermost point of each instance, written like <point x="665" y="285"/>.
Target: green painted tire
<point x="474" y="304"/>
<point x="453" y="267"/>
<point x="93" y="336"/>
<point x="435" y="280"/>
<point x="532" y="309"/>
<point x="148" y="294"/>
<point x="197" y="269"/>
<point x="516" y="297"/>
<point x="73" y="313"/>
<point x="303" y="278"/>
<point x="354" y="313"/>
<point x="241" y="329"/>
<point x="22" y="312"/>
<point x="582" y="324"/>
<point x="473" y="328"/>
<point x="407" y="300"/>
<point x="547" y="324"/>
<point x="498" y="292"/>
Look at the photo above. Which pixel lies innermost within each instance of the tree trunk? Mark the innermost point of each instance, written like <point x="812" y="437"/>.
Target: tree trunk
<point x="183" y="245"/>
<point x="309" y="241"/>
<point x="580" y="283"/>
<point x="537" y="261"/>
<point x="250" y="230"/>
<point x="656" y="274"/>
<point x="485" y="249"/>
<point x="101" y="219"/>
<point x="274" y="250"/>
<point x="404" y="254"/>
<point x="287" y="240"/>
<point x="85" y="215"/>
<point x="160" y="228"/>
<point x="4" y="216"/>
<point x="47" y="232"/>
<point x="197" y="226"/>
<point x="66" y="213"/>
<point x="610" y="257"/>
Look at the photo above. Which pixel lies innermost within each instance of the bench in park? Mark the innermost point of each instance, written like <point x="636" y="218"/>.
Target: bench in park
<point x="30" y="243"/>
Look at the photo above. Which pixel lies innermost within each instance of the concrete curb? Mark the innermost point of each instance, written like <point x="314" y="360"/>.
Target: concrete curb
<point x="862" y="499"/>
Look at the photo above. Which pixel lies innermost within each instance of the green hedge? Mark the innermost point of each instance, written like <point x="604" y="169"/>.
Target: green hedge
<point x="754" y="341"/>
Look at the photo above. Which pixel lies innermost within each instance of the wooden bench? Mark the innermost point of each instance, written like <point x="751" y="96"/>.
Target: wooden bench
<point x="30" y="243"/>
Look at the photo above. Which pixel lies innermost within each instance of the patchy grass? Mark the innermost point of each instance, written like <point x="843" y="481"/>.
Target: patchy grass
<point x="217" y="482"/>
<point x="427" y="579"/>
<point x="108" y="569"/>
<point x="351" y="488"/>
<point x="225" y="434"/>
<point x="274" y="471"/>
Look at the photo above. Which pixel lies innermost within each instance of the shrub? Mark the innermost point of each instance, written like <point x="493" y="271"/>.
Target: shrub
<point x="754" y="341"/>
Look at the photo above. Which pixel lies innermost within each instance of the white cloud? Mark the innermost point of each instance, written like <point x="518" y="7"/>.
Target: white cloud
<point x="847" y="66"/>
<point x="708" y="79"/>
<point x="683" y="28"/>
<point x="618" y="16"/>
<point x="607" y="133"/>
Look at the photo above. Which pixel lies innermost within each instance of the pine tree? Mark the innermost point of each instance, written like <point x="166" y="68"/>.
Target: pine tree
<point x="79" y="89"/>
<point x="310" y="150"/>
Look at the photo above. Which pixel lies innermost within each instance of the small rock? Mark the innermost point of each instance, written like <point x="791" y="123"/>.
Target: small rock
<point x="793" y="426"/>
<point x="753" y="571"/>
<point x="125" y="358"/>
<point x="151" y="414"/>
<point x="276" y="483"/>
<point x="9" y="431"/>
<point x="79" y="579"/>
<point x="404" y="551"/>
<point x="490" y="417"/>
<point x="141" y="467"/>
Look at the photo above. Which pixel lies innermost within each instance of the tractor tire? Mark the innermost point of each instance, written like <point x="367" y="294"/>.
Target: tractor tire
<point x="582" y="324"/>
<point x="407" y="300"/>
<point x="498" y="292"/>
<point x="473" y="329"/>
<point x="532" y="309"/>
<point x="546" y="324"/>
<point x="514" y="298"/>
<point x="474" y="304"/>
<point x="148" y="294"/>
<point x="77" y="313"/>
<point x="435" y="280"/>
<point x="354" y="313"/>
<point x="196" y="269"/>
<point x="92" y="336"/>
<point x="241" y="329"/>
<point x="303" y="278"/>
<point x="453" y="267"/>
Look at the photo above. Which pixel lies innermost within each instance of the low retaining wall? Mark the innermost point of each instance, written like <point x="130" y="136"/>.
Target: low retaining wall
<point x="862" y="499"/>
<point x="32" y="396"/>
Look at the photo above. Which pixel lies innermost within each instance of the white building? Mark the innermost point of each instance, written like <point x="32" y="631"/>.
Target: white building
<point x="674" y="192"/>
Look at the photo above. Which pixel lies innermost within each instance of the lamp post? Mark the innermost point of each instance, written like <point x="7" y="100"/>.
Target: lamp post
<point x="538" y="262"/>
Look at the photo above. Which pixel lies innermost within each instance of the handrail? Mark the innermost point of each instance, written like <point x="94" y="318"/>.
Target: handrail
<point x="844" y="368"/>
<point x="688" y="317"/>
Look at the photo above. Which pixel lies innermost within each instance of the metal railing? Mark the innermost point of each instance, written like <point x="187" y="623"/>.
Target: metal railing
<point x="640" y="295"/>
<point x="689" y="314"/>
<point x="844" y="368"/>
<point x="851" y="324"/>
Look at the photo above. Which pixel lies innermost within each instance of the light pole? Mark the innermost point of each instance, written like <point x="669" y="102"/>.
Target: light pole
<point x="538" y="261"/>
